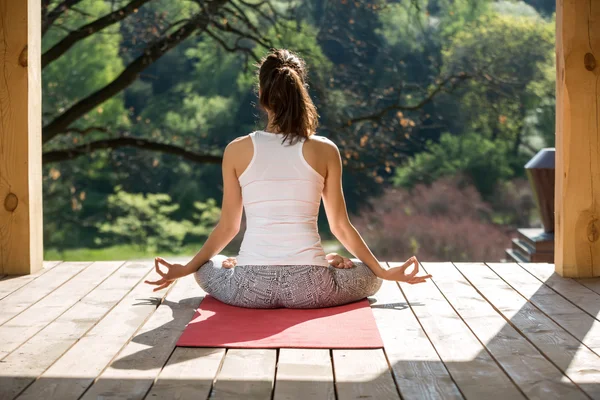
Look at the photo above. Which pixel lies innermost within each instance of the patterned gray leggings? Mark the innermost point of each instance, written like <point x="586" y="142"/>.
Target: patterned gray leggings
<point x="289" y="286"/>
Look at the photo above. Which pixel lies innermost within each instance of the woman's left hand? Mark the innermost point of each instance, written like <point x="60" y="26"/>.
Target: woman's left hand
<point x="174" y="271"/>
<point x="337" y="261"/>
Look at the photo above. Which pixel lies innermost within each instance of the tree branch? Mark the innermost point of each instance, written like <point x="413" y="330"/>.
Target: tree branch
<point x="257" y="7"/>
<point x="235" y="48"/>
<point x="152" y="53"/>
<point x="227" y="27"/>
<point x="87" y="130"/>
<point x="82" y="13"/>
<point x="87" y="30"/>
<point x="45" y="6"/>
<point x="144" y="144"/>
<point x="454" y="80"/>
<point x="53" y="15"/>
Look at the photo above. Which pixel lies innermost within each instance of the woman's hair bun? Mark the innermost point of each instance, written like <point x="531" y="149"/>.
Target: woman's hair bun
<point x="282" y="79"/>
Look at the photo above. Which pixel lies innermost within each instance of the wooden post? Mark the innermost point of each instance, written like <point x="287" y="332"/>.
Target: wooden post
<point x="577" y="202"/>
<point x="21" y="247"/>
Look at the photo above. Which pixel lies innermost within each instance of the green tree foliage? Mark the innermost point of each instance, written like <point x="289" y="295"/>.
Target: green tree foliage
<point x="480" y="159"/>
<point x="146" y="221"/>
<point x="504" y="113"/>
<point x="454" y="86"/>
<point x="509" y="56"/>
<point x="89" y="65"/>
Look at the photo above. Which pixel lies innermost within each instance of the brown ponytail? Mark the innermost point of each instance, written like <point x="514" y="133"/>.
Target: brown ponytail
<point x="284" y="92"/>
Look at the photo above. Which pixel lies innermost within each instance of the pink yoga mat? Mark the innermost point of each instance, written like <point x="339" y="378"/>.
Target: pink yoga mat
<point x="215" y="324"/>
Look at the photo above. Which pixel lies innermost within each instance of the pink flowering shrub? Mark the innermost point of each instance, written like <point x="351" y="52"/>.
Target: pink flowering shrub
<point x="447" y="221"/>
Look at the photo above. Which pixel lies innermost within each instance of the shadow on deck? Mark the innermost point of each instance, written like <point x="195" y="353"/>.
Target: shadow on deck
<point x="475" y="331"/>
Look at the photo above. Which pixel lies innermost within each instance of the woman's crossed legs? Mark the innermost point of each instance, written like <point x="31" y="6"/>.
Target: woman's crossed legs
<point x="290" y="286"/>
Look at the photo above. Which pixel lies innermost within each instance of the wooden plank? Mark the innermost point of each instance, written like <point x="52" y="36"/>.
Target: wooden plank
<point x="36" y="290"/>
<point x="247" y="374"/>
<point x="188" y="375"/>
<point x="529" y="369"/>
<point x="304" y="374"/>
<point x="578" y="362"/>
<point x="577" y="322"/>
<point x="417" y="369"/>
<point x="577" y="214"/>
<point x="22" y="327"/>
<point x="464" y="356"/>
<point x="592" y="283"/>
<point x="10" y="283"/>
<point x="131" y="374"/>
<point x="189" y="372"/>
<point x="363" y="374"/>
<point x="43" y="349"/>
<point x="575" y="292"/>
<point x="21" y="237"/>
<point x="75" y="371"/>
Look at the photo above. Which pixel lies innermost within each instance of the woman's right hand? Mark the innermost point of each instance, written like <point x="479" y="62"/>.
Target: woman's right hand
<point x="174" y="271"/>
<point x="399" y="274"/>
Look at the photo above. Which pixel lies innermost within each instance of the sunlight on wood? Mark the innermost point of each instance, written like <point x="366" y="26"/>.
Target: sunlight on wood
<point x="579" y="323"/>
<point x="577" y="361"/>
<point x="471" y="321"/>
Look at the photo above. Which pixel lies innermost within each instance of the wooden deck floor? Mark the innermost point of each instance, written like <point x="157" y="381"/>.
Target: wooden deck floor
<point x="476" y="331"/>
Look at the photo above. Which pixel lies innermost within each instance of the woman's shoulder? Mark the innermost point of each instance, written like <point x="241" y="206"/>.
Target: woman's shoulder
<point x="238" y="154"/>
<point x="323" y="145"/>
<point x="323" y="142"/>
<point x="322" y="139"/>
<point x="240" y="150"/>
<point x="240" y="143"/>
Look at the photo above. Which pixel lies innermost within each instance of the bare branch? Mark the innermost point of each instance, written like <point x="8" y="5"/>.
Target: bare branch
<point x="233" y="49"/>
<point x="258" y="8"/>
<point x="87" y="30"/>
<point x="239" y="13"/>
<point x="453" y="81"/>
<point x="113" y="143"/>
<point x="228" y="28"/>
<point x="81" y="12"/>
<point x="45" y="6"/>
<point x="87" y="130"/>
<point x="273" y="18"/>
<point x="53" y="15"/>
<point x="152" y="53"/>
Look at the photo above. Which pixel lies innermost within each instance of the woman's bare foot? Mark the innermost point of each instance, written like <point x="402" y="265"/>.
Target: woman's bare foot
<point x="229" y="262"/>
<point x="337" y="261"/>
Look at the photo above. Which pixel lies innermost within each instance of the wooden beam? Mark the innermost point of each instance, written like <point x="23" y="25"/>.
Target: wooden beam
<point x="577" y="207"/>
<point x="21" y="247"/>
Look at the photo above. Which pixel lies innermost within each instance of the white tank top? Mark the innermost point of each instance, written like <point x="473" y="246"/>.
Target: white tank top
<point x="281" y="194"/>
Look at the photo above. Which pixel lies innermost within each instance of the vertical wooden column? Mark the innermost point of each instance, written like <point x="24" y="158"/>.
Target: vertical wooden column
<point x="577" y="204"/>
<point x="21" y="247"/>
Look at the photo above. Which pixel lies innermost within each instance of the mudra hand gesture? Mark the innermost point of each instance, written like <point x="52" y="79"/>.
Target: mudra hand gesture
<point x="337" y="261"/>
<point x="174" y="271"/>
<point x="399" y="274"/>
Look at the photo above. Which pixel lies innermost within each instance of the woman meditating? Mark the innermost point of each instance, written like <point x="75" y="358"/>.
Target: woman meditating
<point x="279" y="176"/>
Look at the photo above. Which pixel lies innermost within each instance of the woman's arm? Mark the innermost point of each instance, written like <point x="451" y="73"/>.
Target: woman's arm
<point x="231" y="215"/>
<point x="337" y="214"/>
<point x="346" y="233"/>
<point x="226" y="229"/>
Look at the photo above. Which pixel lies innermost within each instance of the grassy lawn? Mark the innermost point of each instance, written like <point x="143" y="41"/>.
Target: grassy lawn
<point x="122" y="252"/>
<point x="128" y="252"/>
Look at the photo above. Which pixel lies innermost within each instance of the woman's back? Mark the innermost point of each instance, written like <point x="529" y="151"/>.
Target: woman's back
<point x="281" y="194"/>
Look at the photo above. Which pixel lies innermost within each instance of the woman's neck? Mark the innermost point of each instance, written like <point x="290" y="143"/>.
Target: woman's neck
<point x="272" y="128"/>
